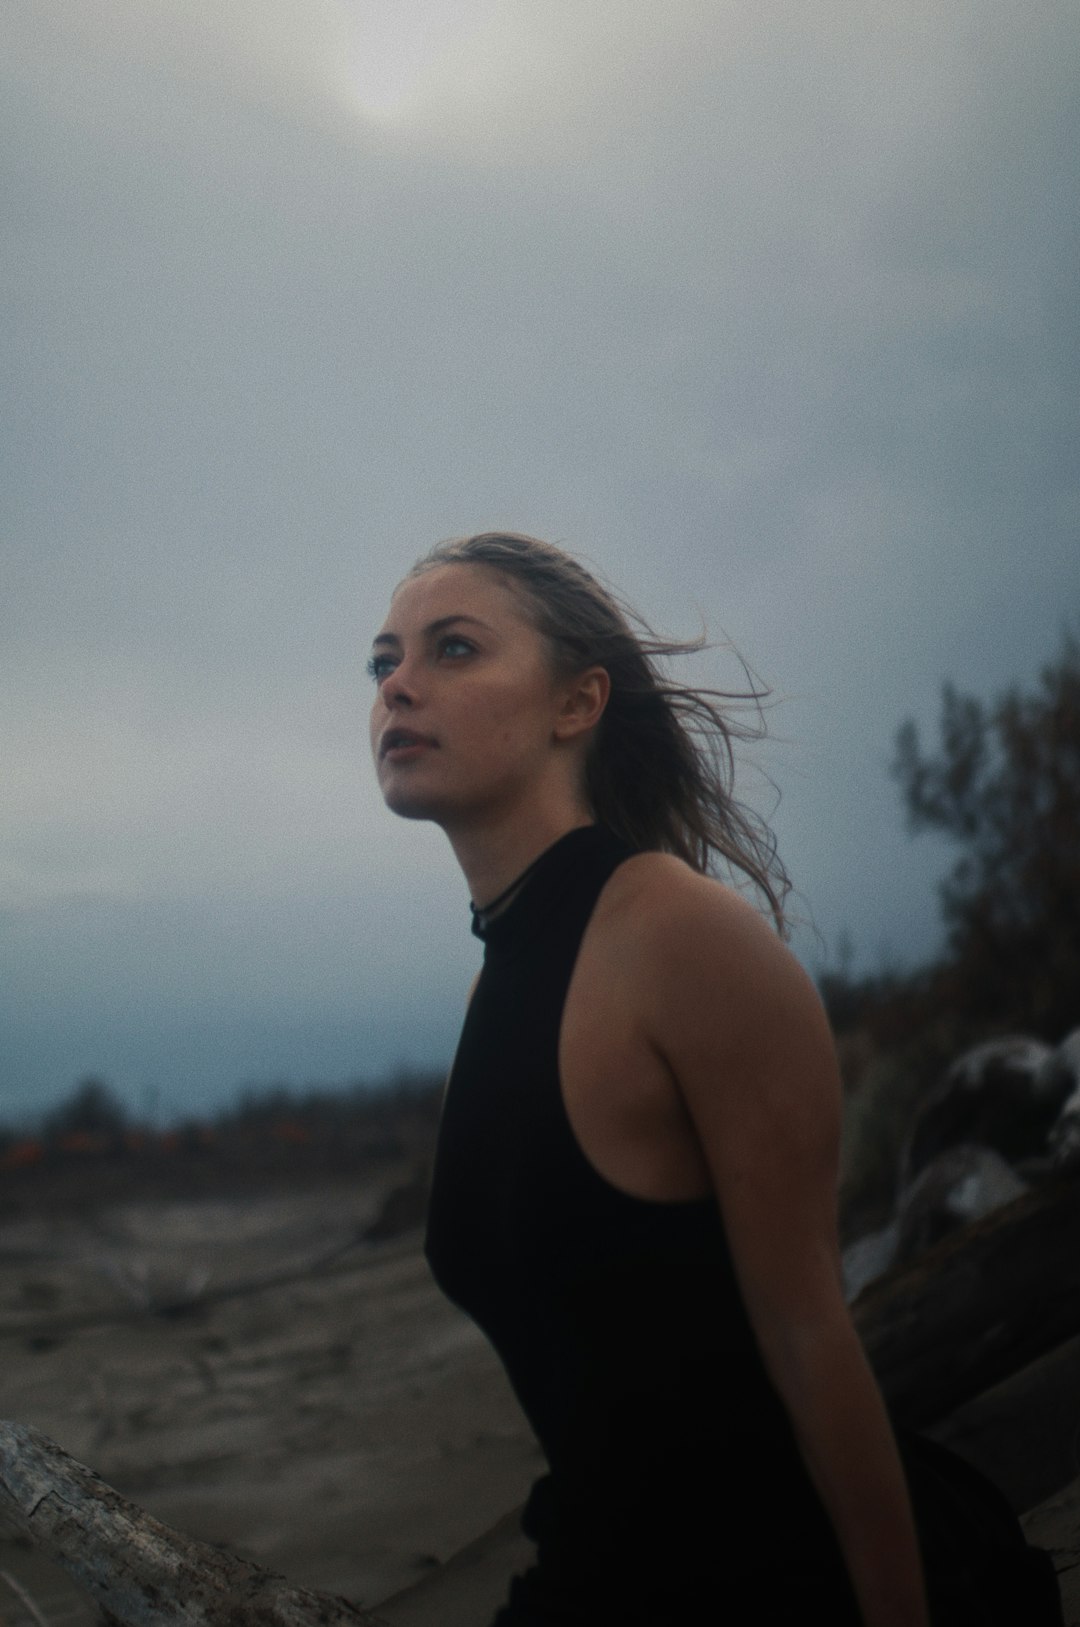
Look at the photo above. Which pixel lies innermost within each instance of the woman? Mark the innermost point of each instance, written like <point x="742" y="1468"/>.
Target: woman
<point x="635" y="1183"/>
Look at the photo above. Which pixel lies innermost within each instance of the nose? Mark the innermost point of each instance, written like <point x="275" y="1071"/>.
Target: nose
<point x="398" y="688"/>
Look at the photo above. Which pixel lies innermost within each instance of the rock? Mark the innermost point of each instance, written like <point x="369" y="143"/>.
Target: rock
<point x="1062" y="1072"/>
<point x="868" y="1258"/>
<point x="1006" y="1114"/>
<point x="960" y="1185"/>
<point x="1006" y="1094"/>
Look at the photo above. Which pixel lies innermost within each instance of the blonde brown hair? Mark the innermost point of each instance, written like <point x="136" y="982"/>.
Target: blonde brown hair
<point x="660" y="771"/>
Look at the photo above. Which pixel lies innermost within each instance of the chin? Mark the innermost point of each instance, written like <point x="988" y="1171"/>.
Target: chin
<point x="409" y="803"/>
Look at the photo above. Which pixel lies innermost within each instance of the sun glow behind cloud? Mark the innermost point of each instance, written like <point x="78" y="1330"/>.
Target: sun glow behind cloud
<point x="400" y="48"/>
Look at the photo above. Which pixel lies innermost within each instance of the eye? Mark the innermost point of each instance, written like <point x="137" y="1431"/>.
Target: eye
<point x="380" y="667"/>
<point x="454" y="646"/>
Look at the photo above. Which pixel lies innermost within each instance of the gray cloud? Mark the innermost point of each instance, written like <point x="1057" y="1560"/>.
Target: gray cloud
<point x="769" y="310"/>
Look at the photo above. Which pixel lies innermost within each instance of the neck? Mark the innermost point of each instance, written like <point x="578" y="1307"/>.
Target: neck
<point x="493" y="857"/>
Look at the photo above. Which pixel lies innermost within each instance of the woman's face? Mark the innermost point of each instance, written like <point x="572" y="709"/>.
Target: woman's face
<point x="465" y="714"/>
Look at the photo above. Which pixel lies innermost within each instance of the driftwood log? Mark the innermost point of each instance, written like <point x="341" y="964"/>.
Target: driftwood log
<point x="976" y="1308"/>
<point x="142" y="1573"/>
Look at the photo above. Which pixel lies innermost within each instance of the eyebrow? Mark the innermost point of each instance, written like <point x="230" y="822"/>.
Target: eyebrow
<point x="432" y="627"/>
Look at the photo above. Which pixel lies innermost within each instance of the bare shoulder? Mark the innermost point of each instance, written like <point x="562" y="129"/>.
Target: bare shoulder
<point x="685" y="921"/>
<point x="713" y="977"/>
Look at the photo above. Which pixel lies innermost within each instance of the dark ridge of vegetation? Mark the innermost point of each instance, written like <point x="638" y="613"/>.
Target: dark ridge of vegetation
<point x="93" y="1109"/>
<point x="1004" y="785"/>
<point x="268" y="1129"/>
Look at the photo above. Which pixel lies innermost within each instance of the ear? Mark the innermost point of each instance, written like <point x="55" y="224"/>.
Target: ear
<point x="582" y="703"/>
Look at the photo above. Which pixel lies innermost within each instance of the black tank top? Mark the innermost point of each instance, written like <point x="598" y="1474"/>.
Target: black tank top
<point x="618" y="1319"/>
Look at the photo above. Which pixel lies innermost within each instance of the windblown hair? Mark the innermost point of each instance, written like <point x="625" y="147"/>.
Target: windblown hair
<point x="661" y="767"/>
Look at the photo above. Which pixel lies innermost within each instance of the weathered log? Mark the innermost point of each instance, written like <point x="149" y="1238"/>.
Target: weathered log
<point x="978" y="1307"/>
<point x="141" y="1572"/>
<point x="1022" y="1433"/>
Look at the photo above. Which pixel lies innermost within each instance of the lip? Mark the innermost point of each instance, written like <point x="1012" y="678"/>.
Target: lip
<point x="399" y="744"/>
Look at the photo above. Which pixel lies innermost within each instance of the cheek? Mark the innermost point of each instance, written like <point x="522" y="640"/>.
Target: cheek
<point x="374" y="724"/>
<point x="519" y="722"/>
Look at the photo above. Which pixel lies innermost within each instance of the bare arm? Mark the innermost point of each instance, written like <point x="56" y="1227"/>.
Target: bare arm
<point x="740" y="1028"/>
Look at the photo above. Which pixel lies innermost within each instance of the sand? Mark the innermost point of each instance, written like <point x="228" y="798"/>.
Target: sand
<point x="347" y="1428"/>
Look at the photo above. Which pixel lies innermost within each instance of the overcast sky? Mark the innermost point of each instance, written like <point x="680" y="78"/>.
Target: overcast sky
<point x="768" y="309"/>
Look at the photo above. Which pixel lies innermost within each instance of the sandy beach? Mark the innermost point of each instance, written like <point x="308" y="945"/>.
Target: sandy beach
<point x="248" y="1369"/>
<point x="344" y="1426"/>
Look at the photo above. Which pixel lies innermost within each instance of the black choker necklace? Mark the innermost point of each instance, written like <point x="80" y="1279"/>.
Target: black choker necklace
<point x="482" y="913"/>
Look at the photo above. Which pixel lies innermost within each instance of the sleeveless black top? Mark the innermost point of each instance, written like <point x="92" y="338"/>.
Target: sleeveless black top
<point x="676" y="1493"/>
<point x="617" y="1318"/>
